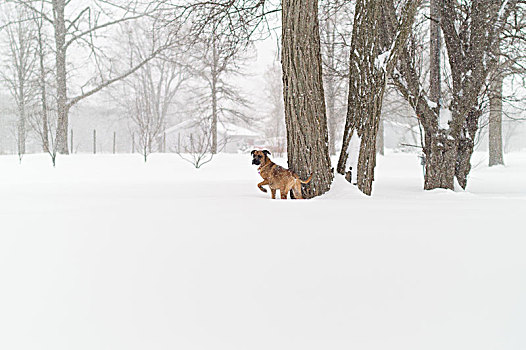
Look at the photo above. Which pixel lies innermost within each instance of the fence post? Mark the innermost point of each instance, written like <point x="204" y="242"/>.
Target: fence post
<point x="164" y="142"/>
<point x="114" y="138"/>
<point x="133" y="143"/>
<point x="71" y="141"/>
<point x="94" y="141"/>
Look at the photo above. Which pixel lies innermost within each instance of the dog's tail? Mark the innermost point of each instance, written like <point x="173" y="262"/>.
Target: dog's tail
<point x="306" y="181"/>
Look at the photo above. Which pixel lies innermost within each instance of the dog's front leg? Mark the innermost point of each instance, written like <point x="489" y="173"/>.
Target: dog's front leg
<point x="261" y="184"/>
<point x="273" y="191"/>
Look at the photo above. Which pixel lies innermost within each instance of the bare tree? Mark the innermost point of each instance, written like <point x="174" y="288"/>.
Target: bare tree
<point x="470" y="30"/>
<point x="150" y="92"/>
<point x="215" y="60"/>
<point x="83" y="26"/>
<point x="18" y="72"/>
<point x="148" y="124"/>
<point x="509" y="61"/>
<point x="42" y="51"/>
<point x="197" y="149"/>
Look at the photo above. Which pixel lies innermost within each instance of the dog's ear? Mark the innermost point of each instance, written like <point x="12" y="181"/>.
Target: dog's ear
<point x="266" y="152"/>
<point x="252" y="153"/>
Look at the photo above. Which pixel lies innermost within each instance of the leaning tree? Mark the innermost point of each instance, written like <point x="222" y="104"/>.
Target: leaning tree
<point x="372" y="59"/>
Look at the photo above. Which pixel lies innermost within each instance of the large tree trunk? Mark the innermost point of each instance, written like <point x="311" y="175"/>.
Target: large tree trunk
<point x="307" y="139"/>
<point x="495" y="121"/>
<point x="60" y="55"/>
<point x="440" y="157"/>
<point x="466" y="145"/>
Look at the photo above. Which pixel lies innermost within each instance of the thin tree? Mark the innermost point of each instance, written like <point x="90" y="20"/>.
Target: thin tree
<point x="495" y="147"/>
<point x="153" y="87"/>
<point x="215" y="60"/>
<point x="18" y="73"/>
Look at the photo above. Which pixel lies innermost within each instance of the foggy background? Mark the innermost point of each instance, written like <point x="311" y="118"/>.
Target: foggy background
<point x="250" y="112"/>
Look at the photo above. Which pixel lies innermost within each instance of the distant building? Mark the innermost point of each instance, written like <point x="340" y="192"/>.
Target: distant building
<point x="231" y="138"/>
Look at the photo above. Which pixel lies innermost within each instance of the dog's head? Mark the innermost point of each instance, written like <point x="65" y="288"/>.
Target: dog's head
<point x="260" y="157"/>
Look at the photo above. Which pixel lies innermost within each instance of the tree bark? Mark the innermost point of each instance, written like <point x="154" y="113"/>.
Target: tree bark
<point x="440" y="156"/>
<point x="434" y="56"/>
<point x="60" y="61"/>
<point x="305" y="118"/>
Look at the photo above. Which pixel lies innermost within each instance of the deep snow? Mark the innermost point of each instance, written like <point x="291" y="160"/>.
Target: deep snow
<point x="106" y="252"/>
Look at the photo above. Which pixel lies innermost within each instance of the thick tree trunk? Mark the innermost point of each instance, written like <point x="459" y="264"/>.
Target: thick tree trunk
<point x="60" y="55"/>
<point x="307" y="137"/>
<point x="466" y="145"/>
<point x="440" y="158"/>
<point x="496" y="156"/>
<point x="366" y="89"/>
<point x="373" y="55"/>
<point x="371" y="112"/>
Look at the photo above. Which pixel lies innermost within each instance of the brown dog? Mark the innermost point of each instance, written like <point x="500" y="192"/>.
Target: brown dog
<point x="277" y="177"/>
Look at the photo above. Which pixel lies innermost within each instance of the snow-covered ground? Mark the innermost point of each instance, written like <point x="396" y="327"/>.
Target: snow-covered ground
<point x="106" y="252"/>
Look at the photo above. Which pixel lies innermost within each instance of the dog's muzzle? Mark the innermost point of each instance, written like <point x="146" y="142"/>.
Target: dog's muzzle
<point x="255" y="161"/>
